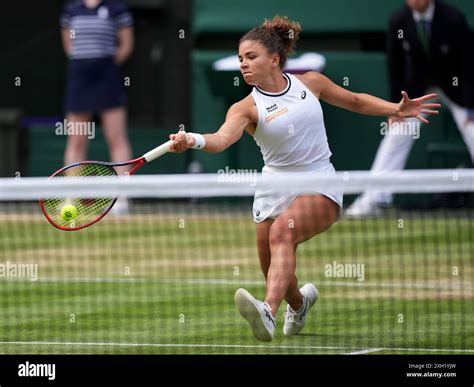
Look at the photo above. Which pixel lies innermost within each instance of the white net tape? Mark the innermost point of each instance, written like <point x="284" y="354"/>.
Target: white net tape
<point x="237" y="185"/>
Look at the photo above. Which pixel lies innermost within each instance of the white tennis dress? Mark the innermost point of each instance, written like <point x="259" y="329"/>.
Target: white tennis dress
<point x="292" y="138"/>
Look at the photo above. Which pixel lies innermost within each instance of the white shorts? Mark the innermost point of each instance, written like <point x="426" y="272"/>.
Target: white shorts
<point x="270" y="204"/>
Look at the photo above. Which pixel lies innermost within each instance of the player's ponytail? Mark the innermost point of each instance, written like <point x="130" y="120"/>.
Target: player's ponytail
<point x="278" y="35"/>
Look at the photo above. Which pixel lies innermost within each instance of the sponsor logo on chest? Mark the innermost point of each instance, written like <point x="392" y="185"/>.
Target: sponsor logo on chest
<point x="272" y="108"/>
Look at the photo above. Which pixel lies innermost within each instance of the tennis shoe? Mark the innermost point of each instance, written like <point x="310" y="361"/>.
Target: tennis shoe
<point x="294" y="321"/>
<point x="257" y="313"/>
<point x="363" y="207"/>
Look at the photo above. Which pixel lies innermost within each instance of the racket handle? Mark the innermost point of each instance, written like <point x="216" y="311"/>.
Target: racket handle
<point x="158" y="151"/>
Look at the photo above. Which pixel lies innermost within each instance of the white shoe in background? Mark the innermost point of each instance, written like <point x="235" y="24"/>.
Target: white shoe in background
<point x="363" y="207"/>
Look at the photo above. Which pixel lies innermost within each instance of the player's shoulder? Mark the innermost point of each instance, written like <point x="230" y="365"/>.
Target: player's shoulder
<point x="243" y="107"/>
<point x="310" y="76"/>
<point x="312" y="79"/>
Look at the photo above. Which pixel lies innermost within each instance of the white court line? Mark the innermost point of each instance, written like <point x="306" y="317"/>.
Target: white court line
<point x="105" y="344"/>
<point x="215" y="281"/>
<point x="364" y="351"/>
<point x="171" y="345"/>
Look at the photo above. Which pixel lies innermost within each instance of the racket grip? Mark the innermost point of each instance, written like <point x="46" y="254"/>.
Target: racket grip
<point x="158" y="151"/>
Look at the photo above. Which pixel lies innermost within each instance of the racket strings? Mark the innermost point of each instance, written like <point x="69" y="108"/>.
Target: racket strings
<point x="88" y="209"/>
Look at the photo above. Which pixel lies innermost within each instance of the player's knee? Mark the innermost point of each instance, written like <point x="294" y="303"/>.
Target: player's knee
<point x="281" y="233"/>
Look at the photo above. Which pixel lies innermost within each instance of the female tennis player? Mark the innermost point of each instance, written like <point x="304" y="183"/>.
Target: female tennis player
<point x="284" y="115"/>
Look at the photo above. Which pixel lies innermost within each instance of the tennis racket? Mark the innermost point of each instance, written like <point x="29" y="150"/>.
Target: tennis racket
<point x="72" y="214"/>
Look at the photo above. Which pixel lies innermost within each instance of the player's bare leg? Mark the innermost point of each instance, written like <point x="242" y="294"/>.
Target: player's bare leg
<point x="293" y="295"/>
<point x="309" y="215"/>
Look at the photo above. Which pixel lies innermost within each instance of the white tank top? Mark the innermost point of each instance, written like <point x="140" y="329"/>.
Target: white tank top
<point x="290" y="129"/>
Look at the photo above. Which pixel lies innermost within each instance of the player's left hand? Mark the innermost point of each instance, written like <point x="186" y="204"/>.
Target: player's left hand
<point x="416" y="107"/>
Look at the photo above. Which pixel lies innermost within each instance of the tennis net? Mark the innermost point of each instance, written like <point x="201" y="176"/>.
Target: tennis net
<point x="160" y="276"/>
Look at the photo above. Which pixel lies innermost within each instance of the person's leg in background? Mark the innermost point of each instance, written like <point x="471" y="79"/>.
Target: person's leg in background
<point x="114" y="123"/>
<point x="392" y="155"/>
<point x="465" y="126"/>
<point x="76" y="148"/>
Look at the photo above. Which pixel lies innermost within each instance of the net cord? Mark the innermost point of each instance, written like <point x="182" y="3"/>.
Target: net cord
<point x="238" y="184"/>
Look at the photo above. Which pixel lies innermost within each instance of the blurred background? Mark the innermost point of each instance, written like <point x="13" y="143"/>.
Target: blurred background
<point x="172" y="81"/>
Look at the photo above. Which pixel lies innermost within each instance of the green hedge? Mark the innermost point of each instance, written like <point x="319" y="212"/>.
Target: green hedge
<point x="316" y="16"/>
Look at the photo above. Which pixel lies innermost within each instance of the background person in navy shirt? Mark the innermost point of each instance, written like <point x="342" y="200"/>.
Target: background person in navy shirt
<point x="97" y="37"/>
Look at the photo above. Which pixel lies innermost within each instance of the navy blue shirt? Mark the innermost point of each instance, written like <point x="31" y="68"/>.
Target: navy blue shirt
<point x="94" y="31"/>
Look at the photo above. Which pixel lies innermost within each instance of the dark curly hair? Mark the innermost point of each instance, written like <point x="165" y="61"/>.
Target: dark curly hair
<point x="278" y="35"/>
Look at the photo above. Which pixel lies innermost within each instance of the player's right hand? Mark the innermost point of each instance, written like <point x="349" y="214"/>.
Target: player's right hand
<point x="181" y="142"/>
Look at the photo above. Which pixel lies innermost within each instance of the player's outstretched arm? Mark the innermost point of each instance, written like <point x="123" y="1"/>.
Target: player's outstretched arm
<point x="237" y="120"/>
<point x="367" y="104"/>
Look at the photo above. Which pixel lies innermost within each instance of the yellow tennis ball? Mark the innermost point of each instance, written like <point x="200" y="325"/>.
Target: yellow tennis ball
<point x="69" y="212"/>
